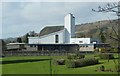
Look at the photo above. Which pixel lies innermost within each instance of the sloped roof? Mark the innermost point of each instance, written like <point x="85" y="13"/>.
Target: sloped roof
<point x="50" y="29"/>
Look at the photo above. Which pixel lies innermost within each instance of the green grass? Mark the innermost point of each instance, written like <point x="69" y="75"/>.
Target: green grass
<point x="42" y="67"/>
<point x="0" y="67"/>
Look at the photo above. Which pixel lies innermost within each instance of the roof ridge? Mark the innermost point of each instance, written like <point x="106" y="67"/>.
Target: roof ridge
<point x="51" y="33"/>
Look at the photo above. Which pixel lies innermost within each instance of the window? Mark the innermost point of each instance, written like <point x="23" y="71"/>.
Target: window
<point x="31" y="45"/>
<point x="80" y="41"/>
<point x="56" y="39"/>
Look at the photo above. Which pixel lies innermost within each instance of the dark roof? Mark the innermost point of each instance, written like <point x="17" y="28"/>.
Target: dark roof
<point x="50" y="29"/>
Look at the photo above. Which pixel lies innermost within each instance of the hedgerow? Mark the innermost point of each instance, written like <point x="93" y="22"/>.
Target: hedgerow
<point x="81" y="62"/>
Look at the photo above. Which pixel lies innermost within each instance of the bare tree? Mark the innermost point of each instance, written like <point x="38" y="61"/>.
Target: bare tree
<point x="112" y="7"/>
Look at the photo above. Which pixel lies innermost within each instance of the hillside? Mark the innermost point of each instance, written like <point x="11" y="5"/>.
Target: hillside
<point x="93" y="30"/>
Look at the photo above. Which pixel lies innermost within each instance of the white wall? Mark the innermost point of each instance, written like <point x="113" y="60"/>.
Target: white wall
<point x="86" y="47"/>
<point x="66" y="36"/>
<point x="84" y="40"/>
<point x="69" y="24"/>
<point x="80" y="40"/>
<point x="72" y="27"/>
<point x="48" y="39"/>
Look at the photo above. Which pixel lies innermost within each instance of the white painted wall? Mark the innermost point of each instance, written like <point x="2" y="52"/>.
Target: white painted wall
<point x="80" y="40"/>
<point x="48" y="39"/>
<point x="72" y="26"/>
<point x="66" y="37"/>
<point x="86" y="47"/>
<point x="69" y="24"/>
<point x="84" y="40"/>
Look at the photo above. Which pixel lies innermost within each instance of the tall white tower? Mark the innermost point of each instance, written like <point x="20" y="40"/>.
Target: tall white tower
<point x="69" y="25"/>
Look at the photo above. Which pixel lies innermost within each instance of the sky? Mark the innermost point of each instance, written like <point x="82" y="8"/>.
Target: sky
<point x="18" y="18"/>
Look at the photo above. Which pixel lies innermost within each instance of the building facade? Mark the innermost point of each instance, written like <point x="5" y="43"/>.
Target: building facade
<point x="64" y="36"/>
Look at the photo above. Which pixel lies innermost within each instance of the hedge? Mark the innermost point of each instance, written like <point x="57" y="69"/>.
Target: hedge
<point x="81" y="62"/>
<point x="60" y="62"/>
<point x="75" y="56"/>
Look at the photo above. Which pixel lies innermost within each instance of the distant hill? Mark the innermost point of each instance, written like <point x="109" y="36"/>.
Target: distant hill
<point x="83" y="30"/>
<point x="8" y="40"/>
<point x="93" y="30"/>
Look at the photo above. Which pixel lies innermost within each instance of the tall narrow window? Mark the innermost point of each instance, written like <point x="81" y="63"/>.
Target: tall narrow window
<point x="56" y="39"/>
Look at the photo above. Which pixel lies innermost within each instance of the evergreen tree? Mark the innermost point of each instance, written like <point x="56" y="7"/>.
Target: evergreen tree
<point x="19" y="40"/>
<point x="4" y="47"/>
<point x="102" y="37"/>
<point x="26" y="38"/>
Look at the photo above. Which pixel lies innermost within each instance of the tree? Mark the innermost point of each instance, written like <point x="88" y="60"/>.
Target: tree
<point x="32" y="33"/>
<point x="3" y="45"/>
<point x="112" y="8"/>
<point x="19" y="40"/>
<point x="116" y="9"/>
<point x="102" y="37"/>
<point x="26" y="38"/>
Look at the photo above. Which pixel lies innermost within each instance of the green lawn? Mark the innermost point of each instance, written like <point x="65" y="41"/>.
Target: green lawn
<point x="0" y="67"/>
<point x="42" y="67"/>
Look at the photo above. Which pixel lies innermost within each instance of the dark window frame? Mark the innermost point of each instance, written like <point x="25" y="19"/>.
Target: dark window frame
<point x="56" y="38"/>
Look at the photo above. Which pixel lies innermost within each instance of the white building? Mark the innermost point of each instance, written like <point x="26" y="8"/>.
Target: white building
<point x="64" y="36"/>
<point x="64" y="39"/>
<point x="84" y="41"/>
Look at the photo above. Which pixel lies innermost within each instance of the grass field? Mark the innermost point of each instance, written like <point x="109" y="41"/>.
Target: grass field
<point x="40" y="65"/>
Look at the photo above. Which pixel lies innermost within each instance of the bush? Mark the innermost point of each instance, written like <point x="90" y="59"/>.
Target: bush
<point x="70" y="63"/>
<point x="81" y="62"/>
<point x="75" y="56"/>
<point x="102" y="68"/>
<point x="113" y="50"/>
<point x="71" y="56"/>
<point x="60" y="62"/>
<point x="117" y="68"/>
<point x="79" y="56"/>
<point x="106" y="56"/>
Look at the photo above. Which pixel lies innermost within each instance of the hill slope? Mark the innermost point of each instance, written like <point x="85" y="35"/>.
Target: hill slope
<point x="93" y="30"/>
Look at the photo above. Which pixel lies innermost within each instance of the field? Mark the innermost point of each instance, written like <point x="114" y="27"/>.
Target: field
<point x="40" y="65"/>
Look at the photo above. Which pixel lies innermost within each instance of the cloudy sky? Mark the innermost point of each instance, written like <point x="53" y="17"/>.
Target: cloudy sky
<point x="18" y="18"/>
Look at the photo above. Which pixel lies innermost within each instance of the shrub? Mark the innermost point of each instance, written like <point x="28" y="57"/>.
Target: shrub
<point x="60" y="62"/>
<point x="113" y="50"/>
<point x="71" y="56"/>
<point x="106" y="56"/>
<point x="117" y="67"/>
<point x="75" y="56"/>
<point x="70" y="63"/>
<point x="102" y="68"/>
<point x="79" y="56"/>
<point x="81" y="62"/>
